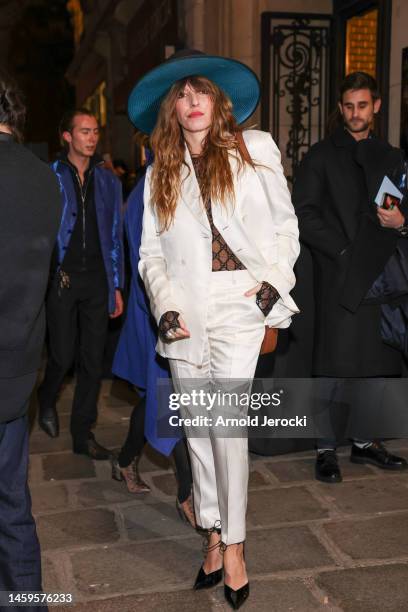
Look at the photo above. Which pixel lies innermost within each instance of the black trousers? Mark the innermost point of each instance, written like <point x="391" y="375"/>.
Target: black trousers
<point x="77" y="320"/>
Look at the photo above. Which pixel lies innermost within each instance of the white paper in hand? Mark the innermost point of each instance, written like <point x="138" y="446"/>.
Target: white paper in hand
<point x="387" y="186"/>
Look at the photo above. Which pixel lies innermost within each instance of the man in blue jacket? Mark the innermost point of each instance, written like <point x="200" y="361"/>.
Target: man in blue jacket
<point x="87" y="277"/>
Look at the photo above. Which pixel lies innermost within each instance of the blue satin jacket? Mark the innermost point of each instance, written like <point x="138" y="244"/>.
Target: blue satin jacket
<point x="108" y="204"/>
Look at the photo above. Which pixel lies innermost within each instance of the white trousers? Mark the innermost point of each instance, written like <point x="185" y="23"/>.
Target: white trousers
<point x="235" y="330"/>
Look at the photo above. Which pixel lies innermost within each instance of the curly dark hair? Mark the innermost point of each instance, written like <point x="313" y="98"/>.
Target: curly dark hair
<point x="12" y="107"/>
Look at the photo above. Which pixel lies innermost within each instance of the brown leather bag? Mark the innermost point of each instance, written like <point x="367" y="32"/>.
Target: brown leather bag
<point x="270" y="340"/>
<point x="271" y="333"/>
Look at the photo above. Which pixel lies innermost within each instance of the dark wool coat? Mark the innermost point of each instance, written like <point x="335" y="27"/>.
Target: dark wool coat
<point x="333" y="195"/>
<point x="30" y="213"/>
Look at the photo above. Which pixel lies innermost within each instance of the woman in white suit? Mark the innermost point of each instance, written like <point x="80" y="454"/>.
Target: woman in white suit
<point x="219" y="243"/>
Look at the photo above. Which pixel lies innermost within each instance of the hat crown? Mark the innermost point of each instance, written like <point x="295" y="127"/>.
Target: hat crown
<point x="236" y="79"/>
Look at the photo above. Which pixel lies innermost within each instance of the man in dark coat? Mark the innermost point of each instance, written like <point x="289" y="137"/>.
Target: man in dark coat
<point x="351" y="240"/>
<point x="30" y="213"/>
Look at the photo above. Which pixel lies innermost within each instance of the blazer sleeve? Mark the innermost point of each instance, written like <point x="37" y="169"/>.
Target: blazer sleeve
<point x="152" y="265"/>
<point x="117" y="237"/>
<point x="270" y="172"/>
<point x="308" y="198"/>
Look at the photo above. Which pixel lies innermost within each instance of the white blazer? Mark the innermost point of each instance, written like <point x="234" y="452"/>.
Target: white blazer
<point x="262" y="232"/>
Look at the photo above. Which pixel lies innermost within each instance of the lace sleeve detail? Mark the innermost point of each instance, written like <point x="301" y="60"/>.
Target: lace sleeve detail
<point x="168" y="321"/>
<point x="266" y="297"/>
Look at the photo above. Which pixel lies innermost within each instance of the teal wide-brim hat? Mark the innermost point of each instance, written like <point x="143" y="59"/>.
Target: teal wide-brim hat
<point x="238" y="81"/>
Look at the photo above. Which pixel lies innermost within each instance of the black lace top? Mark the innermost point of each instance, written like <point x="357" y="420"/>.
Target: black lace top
<point x="222" y="256"/>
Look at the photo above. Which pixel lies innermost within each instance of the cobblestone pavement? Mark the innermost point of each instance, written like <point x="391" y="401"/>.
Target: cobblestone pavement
<point x="310" y="546"/>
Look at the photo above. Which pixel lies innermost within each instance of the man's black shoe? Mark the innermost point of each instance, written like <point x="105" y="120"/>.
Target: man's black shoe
<point x="327" y="469"/>
<point x="49" y="423"/>
<point x="377" y="454"/>
<point x="92" y="449"/>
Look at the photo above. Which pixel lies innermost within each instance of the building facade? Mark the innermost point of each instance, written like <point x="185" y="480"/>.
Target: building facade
<point x="116" y="43"/>
<point x="300" y="49"/>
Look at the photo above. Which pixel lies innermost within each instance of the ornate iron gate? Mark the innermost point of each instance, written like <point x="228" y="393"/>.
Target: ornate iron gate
<point x="295" y="81"/>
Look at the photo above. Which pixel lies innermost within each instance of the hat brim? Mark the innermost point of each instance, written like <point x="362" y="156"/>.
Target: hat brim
<point x="238" y="81"/>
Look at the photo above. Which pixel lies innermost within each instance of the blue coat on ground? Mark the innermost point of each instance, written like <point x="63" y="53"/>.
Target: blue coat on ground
<point x="136" y="359"/>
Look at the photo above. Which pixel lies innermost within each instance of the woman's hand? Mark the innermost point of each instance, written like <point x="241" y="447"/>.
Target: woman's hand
<point x="390" y="218"/>
<point x="253" y="291"/>
<point x="172" y="327"/>
<point x="178" y="333"/>
<point x="266" y="297"/>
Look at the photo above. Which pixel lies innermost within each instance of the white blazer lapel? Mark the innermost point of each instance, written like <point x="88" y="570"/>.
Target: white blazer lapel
<point x="190" y="192"/>
<point x="228" y="220"/>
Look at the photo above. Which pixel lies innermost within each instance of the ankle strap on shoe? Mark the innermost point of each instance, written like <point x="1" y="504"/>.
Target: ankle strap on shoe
<point x="223" y="546"/>
<point x="207" y="549"/>
<point x="206" y="532"/>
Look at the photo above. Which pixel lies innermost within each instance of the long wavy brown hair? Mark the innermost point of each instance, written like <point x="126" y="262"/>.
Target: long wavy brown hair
<point x="168" y="145"/>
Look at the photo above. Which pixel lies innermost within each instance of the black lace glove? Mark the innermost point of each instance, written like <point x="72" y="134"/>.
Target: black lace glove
<point x="266" y="297"/>
<point x="168" y="321"/>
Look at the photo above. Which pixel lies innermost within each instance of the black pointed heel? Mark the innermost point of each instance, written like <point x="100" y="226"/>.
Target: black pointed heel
<point x="206" y="581"/>
<point x="203" y="580"/>
<point x="238" y="597"/>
